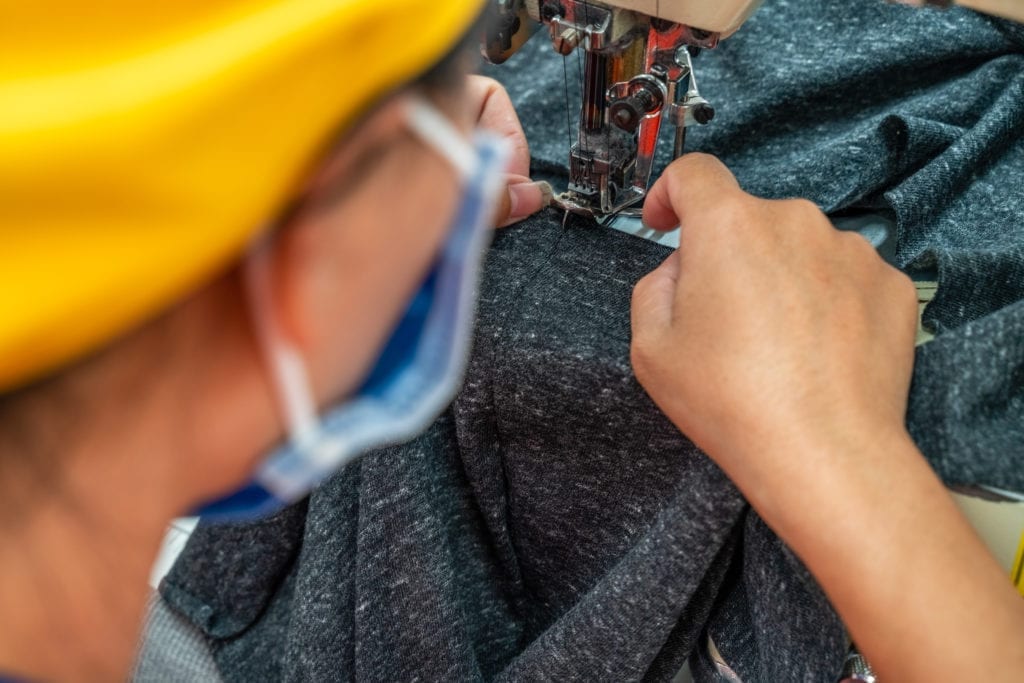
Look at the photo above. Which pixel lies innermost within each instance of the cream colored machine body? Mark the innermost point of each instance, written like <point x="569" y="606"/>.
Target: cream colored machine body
<point x="637" y="75"/>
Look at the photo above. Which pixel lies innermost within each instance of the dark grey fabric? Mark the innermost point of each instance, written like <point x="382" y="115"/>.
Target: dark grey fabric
<point x="553" y="525"/>
<point x="434" y="588"/>
<point x="857" y="105"/>
<point x="967" y="401"/>
<point x="240" y="597"/>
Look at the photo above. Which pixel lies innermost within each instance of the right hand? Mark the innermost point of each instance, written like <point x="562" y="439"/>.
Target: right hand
<point x="784" y="349"/>
<point x="769" y="333"/>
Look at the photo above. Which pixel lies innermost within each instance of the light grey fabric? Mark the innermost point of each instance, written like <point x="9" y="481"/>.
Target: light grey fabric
<point x="173" y="650"/>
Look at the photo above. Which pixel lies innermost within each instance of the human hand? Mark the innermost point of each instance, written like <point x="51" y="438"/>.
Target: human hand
<point x="769" y="333"/>
<point x="496" y="113"/>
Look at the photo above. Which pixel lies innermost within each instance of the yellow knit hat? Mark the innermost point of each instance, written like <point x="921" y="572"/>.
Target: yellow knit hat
<point x="142" y="144"/>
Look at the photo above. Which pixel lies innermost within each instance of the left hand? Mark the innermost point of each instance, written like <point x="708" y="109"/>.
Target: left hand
<point x="496" y="113"/>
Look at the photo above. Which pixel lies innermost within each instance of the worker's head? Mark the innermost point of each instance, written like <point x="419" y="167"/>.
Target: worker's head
<point x="146" y="150"/>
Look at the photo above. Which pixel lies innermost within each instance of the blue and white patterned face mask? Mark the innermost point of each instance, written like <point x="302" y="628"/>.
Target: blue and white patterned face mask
<point x="421" y="367"/>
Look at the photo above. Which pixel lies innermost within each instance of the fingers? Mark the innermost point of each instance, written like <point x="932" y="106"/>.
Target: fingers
<point x="651" y="314"/>
<point x="522" y="199"/>
<point x="691" y="184"/>
<point x="654" y="296"/>
<point x="496" y="114"/>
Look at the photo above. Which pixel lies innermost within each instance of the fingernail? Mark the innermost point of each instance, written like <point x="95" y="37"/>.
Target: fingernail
<point x="526" y="199"/>
<point x="547" y="192"/>
<point x="645" y="226"/>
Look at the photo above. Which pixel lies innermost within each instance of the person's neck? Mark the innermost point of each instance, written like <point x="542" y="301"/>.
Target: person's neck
<point x="73" y="590"/>
<point x="164" y="429"/>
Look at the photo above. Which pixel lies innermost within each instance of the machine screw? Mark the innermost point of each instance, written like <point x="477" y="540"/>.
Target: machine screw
<point x="682" y="59"/>
<point x="567" y="41"/>
<point x="507" y="26"/>
<point x="626" y="113"/>
<point x="703" y="113"/>
<point x="550" y="10"/>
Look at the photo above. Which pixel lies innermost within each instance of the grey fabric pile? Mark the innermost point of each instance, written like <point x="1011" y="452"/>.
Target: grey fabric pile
<point x="553" y="525"/>
<point x="856" y="105"/>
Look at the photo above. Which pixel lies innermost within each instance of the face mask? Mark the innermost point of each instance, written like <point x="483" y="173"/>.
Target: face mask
<point x="421" y="367"/>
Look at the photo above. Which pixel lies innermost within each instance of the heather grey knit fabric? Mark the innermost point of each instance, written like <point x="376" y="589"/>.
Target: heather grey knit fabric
<point x="856" y="105"/>
<point x="553" y="525"/>
<point x="173" y="650"/>
<point x="533" y="533"/>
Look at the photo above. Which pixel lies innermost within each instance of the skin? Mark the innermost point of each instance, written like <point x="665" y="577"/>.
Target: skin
<point x="179" y="411"/>
<point x="784" y="349"/>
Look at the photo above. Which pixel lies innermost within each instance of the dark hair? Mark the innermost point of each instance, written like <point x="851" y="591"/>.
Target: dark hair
<point x="34" y="421"/>
<point x="440" y="76"/>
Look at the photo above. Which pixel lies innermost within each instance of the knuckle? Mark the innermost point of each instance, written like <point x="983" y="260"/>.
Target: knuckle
<point x="906" y="302"/>
<point x="850" y="240"/>
<point x="804" y="209"/>
<point x="733" y="211"/>
<point x="643" y="355"/>
<point x="504" y="209"/>
<point x="744" y="209"/>
<point x="859" y="247"/>
<point x="798" y="221"/>
<point x="896" y="291"/>
<point x="675" y="171"/>
<point x="640" y="290"/>
<point x="643" y="336"/>
<point x="800" y="205"/>
<point x="905" y="289"/>
<point x="485" y="83"/>
<point x="638" y="354"/>
<point x="700" y="160"/>
<point x="694" y="163"/>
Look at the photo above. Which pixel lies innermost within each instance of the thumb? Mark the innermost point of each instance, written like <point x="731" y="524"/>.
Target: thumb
<point x="522" y="199"/>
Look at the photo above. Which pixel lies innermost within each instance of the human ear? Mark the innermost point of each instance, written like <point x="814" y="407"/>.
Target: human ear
<point x="304" y="251"/>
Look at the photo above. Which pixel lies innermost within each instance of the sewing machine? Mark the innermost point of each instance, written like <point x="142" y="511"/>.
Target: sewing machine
<point x="637" y="74"/>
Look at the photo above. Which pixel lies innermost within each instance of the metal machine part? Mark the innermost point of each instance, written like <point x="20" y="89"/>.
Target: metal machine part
<point x="856" y="669"/>
<point x="637" y="75"/>
<point x="725" y="672"/>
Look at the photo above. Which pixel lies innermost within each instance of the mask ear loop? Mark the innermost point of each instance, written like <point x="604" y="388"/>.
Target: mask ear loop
<point x="438" y="133"/>
<point x="287" y="367"/>
<point x="289" y="375"/>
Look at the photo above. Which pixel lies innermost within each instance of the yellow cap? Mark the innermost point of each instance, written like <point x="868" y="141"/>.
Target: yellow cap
<point x="142" y="144"/>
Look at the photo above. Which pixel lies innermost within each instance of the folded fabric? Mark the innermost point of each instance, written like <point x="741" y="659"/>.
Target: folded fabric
<point x="856" y="106"/>
<point x="554" y="525"/>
